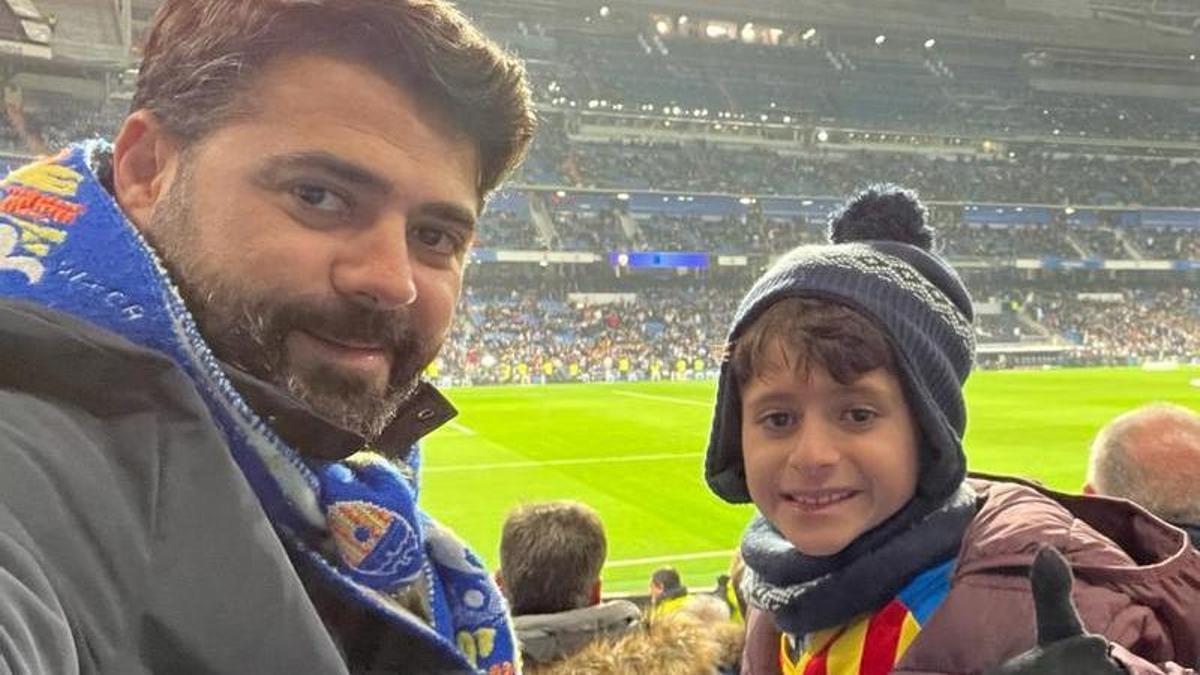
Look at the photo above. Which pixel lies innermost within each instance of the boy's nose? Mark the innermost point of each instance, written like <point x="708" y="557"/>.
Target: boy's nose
<point x="814" y="453"/>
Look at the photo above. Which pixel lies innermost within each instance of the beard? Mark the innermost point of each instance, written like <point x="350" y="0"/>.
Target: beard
<point x="248" y="328"/>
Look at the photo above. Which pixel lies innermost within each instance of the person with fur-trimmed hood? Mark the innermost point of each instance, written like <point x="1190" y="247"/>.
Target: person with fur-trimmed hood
<point x="840" y="414"/>
<point x="686" y="642"/>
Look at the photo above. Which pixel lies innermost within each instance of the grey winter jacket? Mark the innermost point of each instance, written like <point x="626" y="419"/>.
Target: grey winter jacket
<point x="129" y="541"/>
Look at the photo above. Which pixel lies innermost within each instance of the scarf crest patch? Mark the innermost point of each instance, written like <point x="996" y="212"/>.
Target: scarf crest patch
<point x="66" y="245"/>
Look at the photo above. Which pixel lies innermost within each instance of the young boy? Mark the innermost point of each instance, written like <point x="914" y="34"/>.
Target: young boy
<point x="840" y="415"/>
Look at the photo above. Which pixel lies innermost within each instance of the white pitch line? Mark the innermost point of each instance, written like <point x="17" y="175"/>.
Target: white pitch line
<point x="633" y="562"/>
<point x="460" y="428"/>
<point x="667" y="399"/>
<point x="562" y="462"/>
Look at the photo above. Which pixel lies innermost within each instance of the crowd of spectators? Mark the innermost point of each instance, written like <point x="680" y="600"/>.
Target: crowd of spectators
<point x="602" y="232"/>
<point x="537" y="335"/>
<point x="503" y="228"/>
<point x="1166" y="243"/>
<point x="1027" y="178"/>
<point x="961" y="240"/>
<point x="556" y="159"/>
<point x="530" y="336"/>
<point x="53" y="122"/>
<point x="1143" y="324"/>
<point x="954" y="93"/>
<point x="1100" y="242"/>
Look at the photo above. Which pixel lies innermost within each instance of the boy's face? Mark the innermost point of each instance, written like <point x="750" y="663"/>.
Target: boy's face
<point x="826" y="462"/>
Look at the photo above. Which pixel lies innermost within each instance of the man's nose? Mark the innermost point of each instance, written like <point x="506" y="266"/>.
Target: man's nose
<point x="377" y="269"/>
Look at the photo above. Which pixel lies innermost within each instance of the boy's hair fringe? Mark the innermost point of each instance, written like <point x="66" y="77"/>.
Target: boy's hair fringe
<point x="800" y="333"/>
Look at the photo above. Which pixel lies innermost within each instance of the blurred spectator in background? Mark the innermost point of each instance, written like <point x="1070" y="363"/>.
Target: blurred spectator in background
<point x="1151" y="456"/>
<point x="729" y="589"/>
<point x="679" y="644"/>
<point x="551" y="554"/>
<point x="667" y="592"/>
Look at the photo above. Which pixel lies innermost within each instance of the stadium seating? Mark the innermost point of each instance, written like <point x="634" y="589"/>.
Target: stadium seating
<point x="676" y="329"/>
<point x="1032" y="225"/>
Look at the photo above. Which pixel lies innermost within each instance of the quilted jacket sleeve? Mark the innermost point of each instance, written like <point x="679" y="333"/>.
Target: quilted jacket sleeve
<point x="34" y="634"/>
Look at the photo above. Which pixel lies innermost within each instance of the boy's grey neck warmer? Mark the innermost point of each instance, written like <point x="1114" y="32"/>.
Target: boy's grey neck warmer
<point x="807" y="593"/>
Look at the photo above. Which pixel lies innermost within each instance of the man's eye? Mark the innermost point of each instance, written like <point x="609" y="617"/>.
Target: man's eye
<point x="438" y="240"/>
<point x="322" y="199"/>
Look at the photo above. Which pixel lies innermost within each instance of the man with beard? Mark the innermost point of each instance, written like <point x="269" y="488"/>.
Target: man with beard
<point x="212" y="332"/>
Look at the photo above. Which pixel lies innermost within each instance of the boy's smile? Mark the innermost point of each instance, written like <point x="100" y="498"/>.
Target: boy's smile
<point x="812" y="501"/>
<point x="826" y="461"/>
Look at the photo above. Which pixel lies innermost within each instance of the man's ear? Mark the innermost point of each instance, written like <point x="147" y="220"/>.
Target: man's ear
<point x="144" y="160"/>
<point x="1088" y="489"/>
<point x="594" y="596"/>
<point x="499" y="580"/>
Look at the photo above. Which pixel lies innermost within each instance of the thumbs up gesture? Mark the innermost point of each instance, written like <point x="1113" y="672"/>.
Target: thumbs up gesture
<point x="1063" y="647"/>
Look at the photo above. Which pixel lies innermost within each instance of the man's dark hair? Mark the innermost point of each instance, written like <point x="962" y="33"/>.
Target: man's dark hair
<point x="550" y="556"/>
<point x="202" y="57"/>
<point x="667" y="578"/>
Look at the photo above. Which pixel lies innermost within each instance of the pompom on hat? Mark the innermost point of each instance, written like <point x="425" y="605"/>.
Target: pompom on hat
<point x="880" y="264"/>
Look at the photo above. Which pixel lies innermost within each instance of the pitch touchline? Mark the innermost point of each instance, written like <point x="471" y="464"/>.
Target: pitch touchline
<point x="668" y="399"/>
<point x="460" y="428"/>
<point x="562" y="462"/>
<point x="631" y="562"/>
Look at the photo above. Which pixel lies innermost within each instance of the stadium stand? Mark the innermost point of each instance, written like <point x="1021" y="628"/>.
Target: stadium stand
<point x="10" y="24"/>
<point x="659" y="142"/>
<point x="83" y="23"/>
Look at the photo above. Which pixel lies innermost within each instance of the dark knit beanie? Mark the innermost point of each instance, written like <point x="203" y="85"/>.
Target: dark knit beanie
<point x="879" y="264"/>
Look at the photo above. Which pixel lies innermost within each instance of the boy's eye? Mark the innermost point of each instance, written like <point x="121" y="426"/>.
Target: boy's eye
<point x="859" y="415"/>
<point x="776" y="420"/>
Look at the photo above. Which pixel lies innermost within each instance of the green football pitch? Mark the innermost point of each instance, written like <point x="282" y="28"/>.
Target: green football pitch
<point x="634" y="452"/>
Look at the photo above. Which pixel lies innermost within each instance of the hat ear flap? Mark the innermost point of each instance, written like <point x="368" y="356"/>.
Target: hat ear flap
<point x="724" y="464"/>
<point x="943" y="464"/>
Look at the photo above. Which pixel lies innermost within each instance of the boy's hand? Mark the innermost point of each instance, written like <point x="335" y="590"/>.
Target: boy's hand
<point x="1063" y="647"/>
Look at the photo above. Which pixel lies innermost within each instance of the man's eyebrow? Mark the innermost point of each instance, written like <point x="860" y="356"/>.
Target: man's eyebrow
<point x="447" y="211"/>
<point x="333" y="165"/>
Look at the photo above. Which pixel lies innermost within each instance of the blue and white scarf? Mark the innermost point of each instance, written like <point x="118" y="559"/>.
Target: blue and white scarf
<point x="65" y="244"/>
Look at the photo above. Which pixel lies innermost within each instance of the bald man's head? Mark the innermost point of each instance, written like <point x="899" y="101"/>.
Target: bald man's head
<point x="1151" y="456"/>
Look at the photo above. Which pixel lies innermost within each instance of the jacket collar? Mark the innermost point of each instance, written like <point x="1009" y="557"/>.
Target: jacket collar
<point x="1193" y="532"/>
<point x="546" y="637"/>
<point x="318" y="438"/>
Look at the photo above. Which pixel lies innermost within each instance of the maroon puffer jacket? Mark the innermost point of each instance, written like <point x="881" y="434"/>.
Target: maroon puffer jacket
<point x="1137" y="582"/>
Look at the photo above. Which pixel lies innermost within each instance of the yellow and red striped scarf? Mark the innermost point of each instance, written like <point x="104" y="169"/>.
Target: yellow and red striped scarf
<point x="873" y="643"/>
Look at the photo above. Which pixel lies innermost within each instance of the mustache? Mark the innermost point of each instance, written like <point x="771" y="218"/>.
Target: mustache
<point x="391" y="329"/>
<point x="269" y="323"/>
